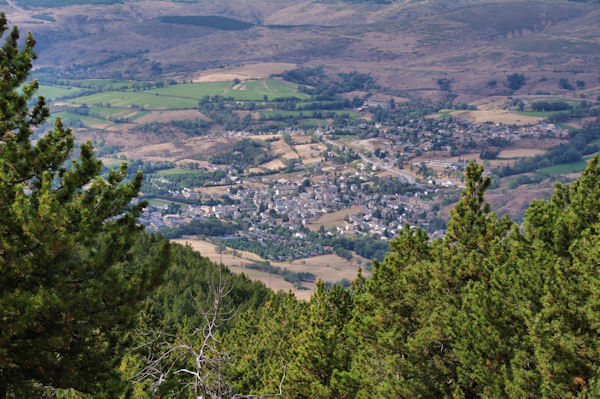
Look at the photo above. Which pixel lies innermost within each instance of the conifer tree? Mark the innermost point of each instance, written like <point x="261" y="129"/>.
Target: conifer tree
<point x="320" y="350"/>
<point x="565" y="242"/>
<point x="69" y="287"/>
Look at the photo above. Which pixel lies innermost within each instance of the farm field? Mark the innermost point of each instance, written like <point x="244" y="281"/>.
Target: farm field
<point x="113" y="112"/>
<point x="520" y="152"/>
<point x="248" y="71"/>
<point x="140" y="99"/>
<point x="158" y="202"/>
<point x="192" y="90"/>
<point x="306" y="151"/>
<point x="280" y="147"/>
<point x="566" y="168"/>
<point x="274" y="164"/>
<point x="272" y="88"/>
<point x="497" y="116"/>
<point x="86" y="120"/>
<point x="110" y="84"/>
<point x="128" y="101"/>
<point x="56" y="92"/>
<point x="330" y="268"/>
<point x="175" y="171"/>
<point x="249" y="90"/>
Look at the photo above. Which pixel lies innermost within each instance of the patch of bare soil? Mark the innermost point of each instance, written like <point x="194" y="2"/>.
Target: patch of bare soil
<point x="249" y="71"/>
<point x="521" y="152"/>
<point x="497" y="116"/>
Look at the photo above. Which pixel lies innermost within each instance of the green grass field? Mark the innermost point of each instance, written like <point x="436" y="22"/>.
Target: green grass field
<point x="250" y="90"/>
<point x="176" y="171"/>
<point x="566" y="168"/>
<point x="141" y="99"/>
<point x="158" y="202"/>
<point x="128" y="113"/>
<point x="86" y="120"/>
<point x="563" y="126"/>
<point x="192" y="90"/>
<point x="56" y="92"/>
<point x="108" y="112"/>
<point x="107" y="84"/>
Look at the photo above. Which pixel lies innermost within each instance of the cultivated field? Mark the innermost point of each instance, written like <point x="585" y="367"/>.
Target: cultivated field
<point x="520" y="152"/>
<point x="137" y="99"/>
<point x="249" y="71"/>
<point x="281" y="148"/>
<point x="497" y="116"/>
<point x="55" y="92"/>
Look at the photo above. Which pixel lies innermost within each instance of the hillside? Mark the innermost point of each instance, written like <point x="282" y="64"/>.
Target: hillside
<point x="406" y="45"/>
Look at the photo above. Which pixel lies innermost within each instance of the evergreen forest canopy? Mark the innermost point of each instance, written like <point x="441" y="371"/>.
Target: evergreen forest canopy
<point x="491" y="310"/>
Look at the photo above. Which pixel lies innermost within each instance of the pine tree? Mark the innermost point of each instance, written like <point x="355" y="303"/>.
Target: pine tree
<point x="320" y="351"/>
<point x="565" y="242"/>
<point x="69" y="287"/>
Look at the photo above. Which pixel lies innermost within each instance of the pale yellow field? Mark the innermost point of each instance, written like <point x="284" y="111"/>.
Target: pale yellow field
<point x="111" y="161"/>
<point x="213" y="190"/>
<point x="329" y="220"/>
<point x="280" y="148"/>
<point x="521" y="152"/>
<point x="306" y="151"/>
<point x="497" y="116"/>
<point x="156" y="152"/>
<point x="310" y="161"/>
<point x="201" y="164"/>
<point x="288" y="176"/>
<point x="178" y="150"/>
<point x="209" y="250"/>
<point x="245" y="72"/>
<point x="274" y="282"/>
<point x="271" y="165"/>
<point x="298" y="139"/>
<point x="330" y="268"/>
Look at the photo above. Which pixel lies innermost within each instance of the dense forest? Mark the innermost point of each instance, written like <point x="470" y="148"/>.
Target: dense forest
<point x="490" y="310"/>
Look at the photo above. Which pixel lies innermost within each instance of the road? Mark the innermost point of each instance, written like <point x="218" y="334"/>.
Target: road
<point x="410" y="179"/>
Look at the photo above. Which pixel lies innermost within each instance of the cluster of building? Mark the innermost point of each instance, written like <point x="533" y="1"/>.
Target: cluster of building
<point x="298" y="202"/>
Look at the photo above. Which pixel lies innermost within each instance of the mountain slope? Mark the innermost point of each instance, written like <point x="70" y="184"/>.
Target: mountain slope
<point x="407" y="45"/>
